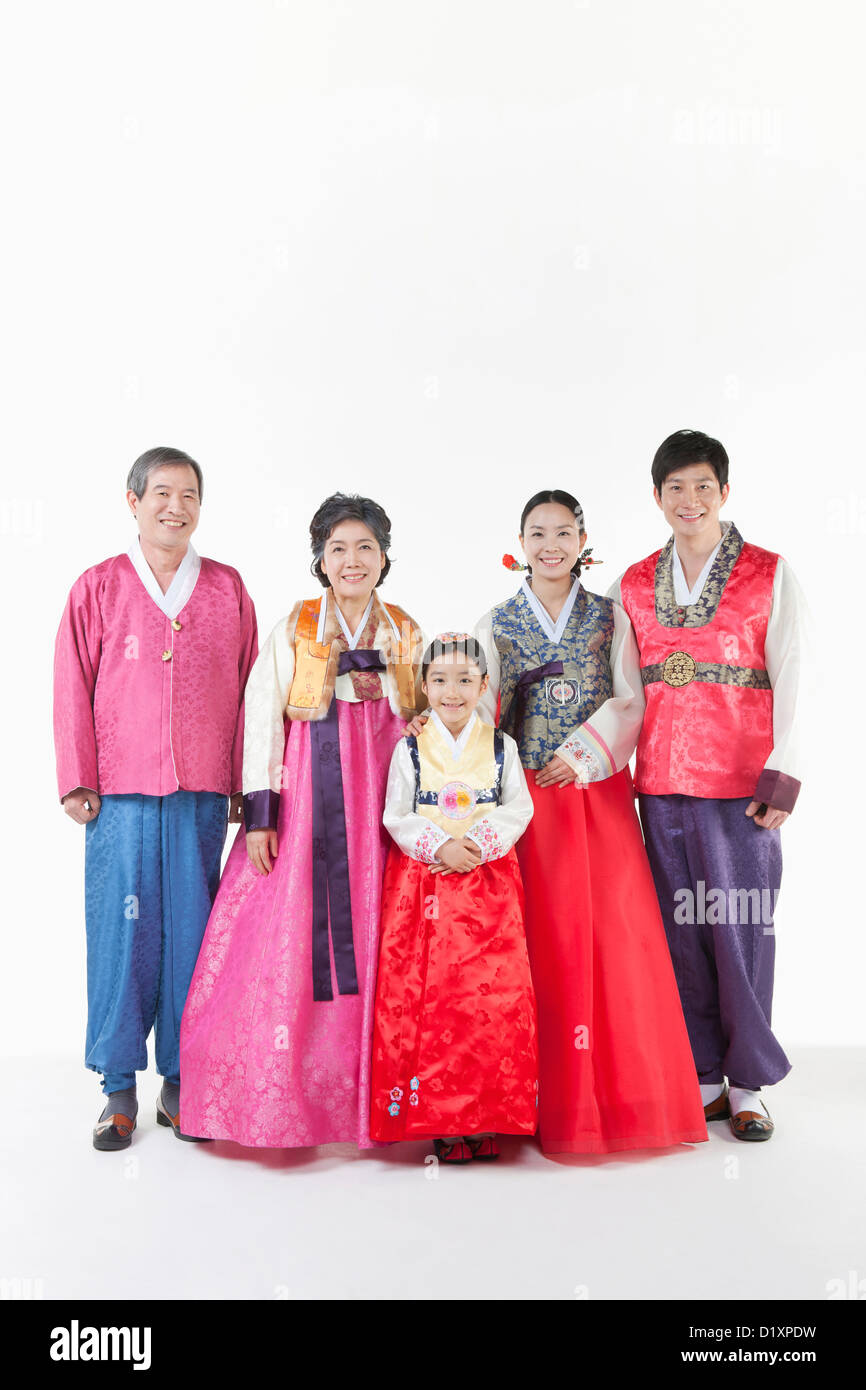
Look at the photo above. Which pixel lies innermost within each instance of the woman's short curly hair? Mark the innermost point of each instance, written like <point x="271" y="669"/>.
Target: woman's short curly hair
<point x="341" y="506"/>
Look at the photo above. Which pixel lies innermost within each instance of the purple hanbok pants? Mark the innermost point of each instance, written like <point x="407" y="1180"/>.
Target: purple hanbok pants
<point x="717" y="876"/>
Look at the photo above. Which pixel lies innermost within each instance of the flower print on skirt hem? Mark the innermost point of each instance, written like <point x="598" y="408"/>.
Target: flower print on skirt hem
<point x="261" y="1062"/>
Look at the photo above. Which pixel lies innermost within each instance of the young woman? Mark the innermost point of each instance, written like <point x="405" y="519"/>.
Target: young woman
<point x="615" y="1068"/>
<point x="454" y="1044"/>
<point x="276" y="1035"/>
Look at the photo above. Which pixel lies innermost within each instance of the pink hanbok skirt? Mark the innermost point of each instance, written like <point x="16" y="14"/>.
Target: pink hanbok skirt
<point x="260" y="1062"/>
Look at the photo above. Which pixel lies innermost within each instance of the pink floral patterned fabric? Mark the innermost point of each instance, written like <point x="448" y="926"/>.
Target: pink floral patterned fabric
<point x="261" y="1063"/>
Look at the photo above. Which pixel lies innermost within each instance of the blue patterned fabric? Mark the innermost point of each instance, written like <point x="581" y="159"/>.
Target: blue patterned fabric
<point x="152" y="866"/>
<point x="585" y="683"/>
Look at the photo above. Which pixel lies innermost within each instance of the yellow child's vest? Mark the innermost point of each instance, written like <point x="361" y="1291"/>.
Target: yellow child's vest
<point x="455" y="793"/>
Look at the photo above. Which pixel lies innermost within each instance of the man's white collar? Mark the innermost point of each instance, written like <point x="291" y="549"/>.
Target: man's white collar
<point x="179" y="591"/>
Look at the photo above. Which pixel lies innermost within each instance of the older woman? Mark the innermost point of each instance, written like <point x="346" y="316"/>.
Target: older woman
<point x="276" y="1035"/>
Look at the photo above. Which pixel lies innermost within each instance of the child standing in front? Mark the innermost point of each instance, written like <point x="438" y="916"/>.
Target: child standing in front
<point x="454" y="1041"/>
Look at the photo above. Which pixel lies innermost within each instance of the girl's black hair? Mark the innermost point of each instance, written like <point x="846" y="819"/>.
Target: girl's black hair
<point x="469" y="648"/>
<point x="341" y="506"/>
<point x="564" y="499"/>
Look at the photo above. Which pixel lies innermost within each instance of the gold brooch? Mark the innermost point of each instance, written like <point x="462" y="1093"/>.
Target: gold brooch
<point x="679" y="669"/>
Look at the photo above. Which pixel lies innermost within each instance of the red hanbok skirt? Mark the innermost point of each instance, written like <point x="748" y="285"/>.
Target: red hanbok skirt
<point x="454" y="1035"/>
<point x="615" y="1065"/>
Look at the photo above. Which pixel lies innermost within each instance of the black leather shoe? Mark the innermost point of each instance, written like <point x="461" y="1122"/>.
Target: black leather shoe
<point x="752" y="1126"/>
<point x="718" y="1109"/>
<point x="114" y="1132"/>
<point x="164" y="1118"/>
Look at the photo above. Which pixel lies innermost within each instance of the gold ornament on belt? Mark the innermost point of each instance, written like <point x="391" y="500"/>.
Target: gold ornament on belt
<point x="679" y="669"/>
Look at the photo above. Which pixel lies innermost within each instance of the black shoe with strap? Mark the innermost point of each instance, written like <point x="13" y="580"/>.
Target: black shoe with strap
<point x="163" y="1117"/>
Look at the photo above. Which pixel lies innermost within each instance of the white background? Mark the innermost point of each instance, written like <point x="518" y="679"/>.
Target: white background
<point x="444" y="254"/>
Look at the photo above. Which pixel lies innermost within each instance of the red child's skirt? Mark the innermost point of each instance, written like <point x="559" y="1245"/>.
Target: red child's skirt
<point x="454" y="1037"/>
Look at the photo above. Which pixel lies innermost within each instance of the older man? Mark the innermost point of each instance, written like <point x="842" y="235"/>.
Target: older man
<point x="152" y="656"/>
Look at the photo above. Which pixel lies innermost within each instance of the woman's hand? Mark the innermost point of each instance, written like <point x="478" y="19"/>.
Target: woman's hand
<point x="770" y="819"/>
<point x="557" y="773"/>
<point x="460" y="856"/>
<point x="414" y="727"/>
<point x="262" y="849"/>
<point x="73" y="805"/>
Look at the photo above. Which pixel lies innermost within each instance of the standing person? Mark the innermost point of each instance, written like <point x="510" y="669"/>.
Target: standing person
<point x="151" y="659"/>
<point x="275" y="1043"/>
<point x="454" y="1050"/>
<point x="615" y="1069"/>
<point x="717" y="621"/>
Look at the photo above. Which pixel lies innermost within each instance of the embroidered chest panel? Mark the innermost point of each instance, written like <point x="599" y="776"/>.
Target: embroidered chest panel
<point x="541" y="712"/>
<point x="456" y="792"/>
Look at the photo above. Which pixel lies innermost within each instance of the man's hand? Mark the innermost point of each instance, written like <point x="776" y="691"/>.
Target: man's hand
<point x="262" y="849"/>
<point x="457" y="856"/>
<point x="556" y="773"/>
<point x="236" y="808"/>
<point x="73" y="805"/>
<point x="770" y="819"/>
<point x="414" y="727"/>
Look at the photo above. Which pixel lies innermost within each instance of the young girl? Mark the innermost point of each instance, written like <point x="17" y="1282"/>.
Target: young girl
<point x="615" y="1067"/>
<point x="275" y="1041"/>
<point x="454" y="1049"/>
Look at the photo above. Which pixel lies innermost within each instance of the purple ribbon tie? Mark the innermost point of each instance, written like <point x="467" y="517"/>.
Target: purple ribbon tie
<point x="521" y="695"/>
<point x="332" y="903"/>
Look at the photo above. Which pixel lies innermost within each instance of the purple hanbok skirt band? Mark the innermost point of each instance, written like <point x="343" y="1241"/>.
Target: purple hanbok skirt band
<point x="332" y="903"/>
<point x="517" y="703"/>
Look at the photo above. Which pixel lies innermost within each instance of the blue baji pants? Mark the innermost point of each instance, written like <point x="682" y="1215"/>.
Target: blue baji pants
<point x="717" y="875"/>
<point x="152" y="866"/>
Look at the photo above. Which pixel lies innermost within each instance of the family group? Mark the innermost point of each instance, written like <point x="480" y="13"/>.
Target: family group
<point x="444" y="917"/>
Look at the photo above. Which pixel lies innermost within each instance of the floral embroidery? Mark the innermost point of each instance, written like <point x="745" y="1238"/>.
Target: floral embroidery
<point x="589" y="767"/>
<point x="487" y="838"/>
<point x="393" y="1108"/>
<point x="584" y="651"/>
<point x="428" y="842"/>
<point x="413" y="1099"/>
<point x="414" y="1084"/>
<point x="396" y="1093"/>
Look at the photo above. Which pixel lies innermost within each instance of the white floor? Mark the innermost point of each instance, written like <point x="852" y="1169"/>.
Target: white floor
<point x="722" y="1220"/>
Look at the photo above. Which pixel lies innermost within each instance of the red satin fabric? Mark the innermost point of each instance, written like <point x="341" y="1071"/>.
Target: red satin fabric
<point x="455" y="1011"/>
<point x="600" y="963"/>
<point x="701" y="739"/>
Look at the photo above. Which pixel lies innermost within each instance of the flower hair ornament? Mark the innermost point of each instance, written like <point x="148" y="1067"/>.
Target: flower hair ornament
<point x="583" y="559"/>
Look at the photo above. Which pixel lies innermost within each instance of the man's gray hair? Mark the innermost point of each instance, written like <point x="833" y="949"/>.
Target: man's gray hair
<point x="154" y="458"/>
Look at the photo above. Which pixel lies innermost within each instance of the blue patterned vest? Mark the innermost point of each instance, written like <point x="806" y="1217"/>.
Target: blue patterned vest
<point x="557" y="703"/>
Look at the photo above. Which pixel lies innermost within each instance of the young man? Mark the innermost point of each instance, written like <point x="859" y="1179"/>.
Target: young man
<point x="152" y="656"/>
<point x="718" y="624"/>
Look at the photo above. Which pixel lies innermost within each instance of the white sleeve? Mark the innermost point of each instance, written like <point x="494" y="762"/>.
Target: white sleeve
<point x="502" y="826"/>
<point x="415" y="835"/>
<point x="615" y="590"/>
<point x="603" y="744"/>
<point x="484" y="635"/>
<point x="779" y="783"/>
<point x="265" y="700"/>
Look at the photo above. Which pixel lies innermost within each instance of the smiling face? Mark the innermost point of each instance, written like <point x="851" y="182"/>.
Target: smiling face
<point x="168" y="511"/>
<point x="691" y="499"/>
<point x="551" y="540"/>
<point x="453" y="686"/>
<point x="352" y="560"/>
